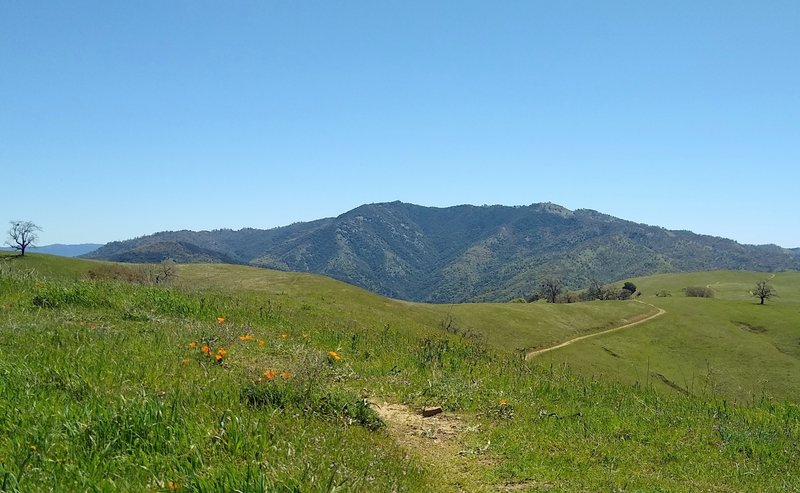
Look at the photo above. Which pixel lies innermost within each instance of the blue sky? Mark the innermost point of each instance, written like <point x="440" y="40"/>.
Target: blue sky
<point x="119" y="119"/>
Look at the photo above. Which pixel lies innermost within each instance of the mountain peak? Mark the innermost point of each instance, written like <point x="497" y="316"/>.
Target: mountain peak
<point x="459" y="253"/>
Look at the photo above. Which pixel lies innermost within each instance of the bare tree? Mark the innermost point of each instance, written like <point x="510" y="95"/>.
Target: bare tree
<point x="550" y="288"/>
<point x="21" y="235"/>
<point x="763" y="291"/>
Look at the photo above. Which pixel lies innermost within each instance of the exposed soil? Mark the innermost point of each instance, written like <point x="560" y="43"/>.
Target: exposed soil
<point x="439" y="442"/>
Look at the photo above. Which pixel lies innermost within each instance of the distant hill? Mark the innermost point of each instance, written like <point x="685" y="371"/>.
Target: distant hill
<point x="62" y="250"/>
<point x="461" y="253"/>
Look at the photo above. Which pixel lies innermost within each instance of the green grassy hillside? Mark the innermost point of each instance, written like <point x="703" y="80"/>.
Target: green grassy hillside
<point x="728" y="345"/>
<point x="252" y="380"/>
<point x="506" y="326"/>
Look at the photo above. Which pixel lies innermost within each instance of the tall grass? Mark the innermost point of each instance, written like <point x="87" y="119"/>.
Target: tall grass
<point x="110" y="386"/>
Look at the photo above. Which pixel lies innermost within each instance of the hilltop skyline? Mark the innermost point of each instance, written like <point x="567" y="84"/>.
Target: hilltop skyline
<point x="121" y="120"/>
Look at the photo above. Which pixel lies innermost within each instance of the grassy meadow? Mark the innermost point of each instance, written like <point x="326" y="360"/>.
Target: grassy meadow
<point x="241" y="379"/>
<point x="727" y="346"/>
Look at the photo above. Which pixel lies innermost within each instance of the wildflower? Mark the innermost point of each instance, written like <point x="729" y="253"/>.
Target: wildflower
<point x="220" y="320"/>
<point x="269" y="374"/>
<point x="205" y="349"/>
<point x="220" y="354"/>
<point x="286" y="375"/>
<point x="503" y="402"/>
<point x="246" y="337"/>
<point x="284" y="335"/>
<point x="192" y="345"/>
<point x="92" y="327"/>
<point x="334" y="356"/>
<point x="261" y="342"/>
<point x="173" y="486"/>
<point x="305" y="336"/>
<point x="83" y="324"/>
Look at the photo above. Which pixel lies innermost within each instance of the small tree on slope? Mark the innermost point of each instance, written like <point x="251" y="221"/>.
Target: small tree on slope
<point x="22" y="234"/>
<point x="763" y="291"/>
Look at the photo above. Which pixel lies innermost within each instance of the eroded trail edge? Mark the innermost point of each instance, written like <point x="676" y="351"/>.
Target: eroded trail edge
<point x="659" y="312"/>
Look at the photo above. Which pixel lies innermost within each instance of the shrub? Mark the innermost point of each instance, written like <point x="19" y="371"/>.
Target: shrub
<point x="698" y="292"/>
<point x="161" y="273"/>
<point x="629" y="286"/>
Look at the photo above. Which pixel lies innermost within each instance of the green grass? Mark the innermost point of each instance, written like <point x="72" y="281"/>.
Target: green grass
<point x="104" y="386"/>
<point x="506" y="326"/>
<point x="727" y="346"/>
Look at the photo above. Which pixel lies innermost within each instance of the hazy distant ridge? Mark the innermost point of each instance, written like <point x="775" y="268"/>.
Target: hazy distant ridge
<point x="63" y="250"/>
<point x="459" y="253"/>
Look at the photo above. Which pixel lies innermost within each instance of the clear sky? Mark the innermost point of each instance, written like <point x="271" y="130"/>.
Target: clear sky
<point x="123" y="118"/>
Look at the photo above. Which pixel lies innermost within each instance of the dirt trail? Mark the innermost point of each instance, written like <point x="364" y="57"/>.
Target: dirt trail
<point x="440" y="443"/>
<point x="537" y="352"/>
<point x="435" y="440"/>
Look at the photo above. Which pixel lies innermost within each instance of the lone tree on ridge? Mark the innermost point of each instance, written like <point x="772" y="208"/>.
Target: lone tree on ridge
<point x="21" y="235"/>
<point x="763" y="291"/>
<point x="550" y="288"/>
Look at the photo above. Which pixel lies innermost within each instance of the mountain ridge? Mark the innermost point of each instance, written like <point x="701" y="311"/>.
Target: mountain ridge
<point x="459" y="253"/>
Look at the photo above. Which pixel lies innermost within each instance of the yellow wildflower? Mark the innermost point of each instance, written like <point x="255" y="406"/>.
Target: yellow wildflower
<point x="220" y="320"/>
<point x="269" y="374"/>
<point x="334" y="356"/>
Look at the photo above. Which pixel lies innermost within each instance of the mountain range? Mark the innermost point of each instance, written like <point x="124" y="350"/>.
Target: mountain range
<point x="461" y="253"/>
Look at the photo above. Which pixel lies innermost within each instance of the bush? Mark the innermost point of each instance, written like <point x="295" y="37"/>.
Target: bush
<point x="663" y="293"/>
<point x="698" y="292"/>
<point x="161" y="273"/>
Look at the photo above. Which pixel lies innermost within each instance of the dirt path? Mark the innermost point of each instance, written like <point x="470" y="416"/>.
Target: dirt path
<point x="537" y="352"/>
<point x="442" y="443"/>
<point x="437" y="441"/>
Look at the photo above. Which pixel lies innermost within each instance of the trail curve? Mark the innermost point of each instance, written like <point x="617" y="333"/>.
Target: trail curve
<point x="537" y="352"/>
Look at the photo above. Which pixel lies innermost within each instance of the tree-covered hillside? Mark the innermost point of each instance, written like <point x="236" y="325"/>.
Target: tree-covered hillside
<point x="462" y="253"/>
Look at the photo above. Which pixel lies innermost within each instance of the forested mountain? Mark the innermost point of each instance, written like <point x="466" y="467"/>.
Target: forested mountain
<point x="461" y="253"/>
